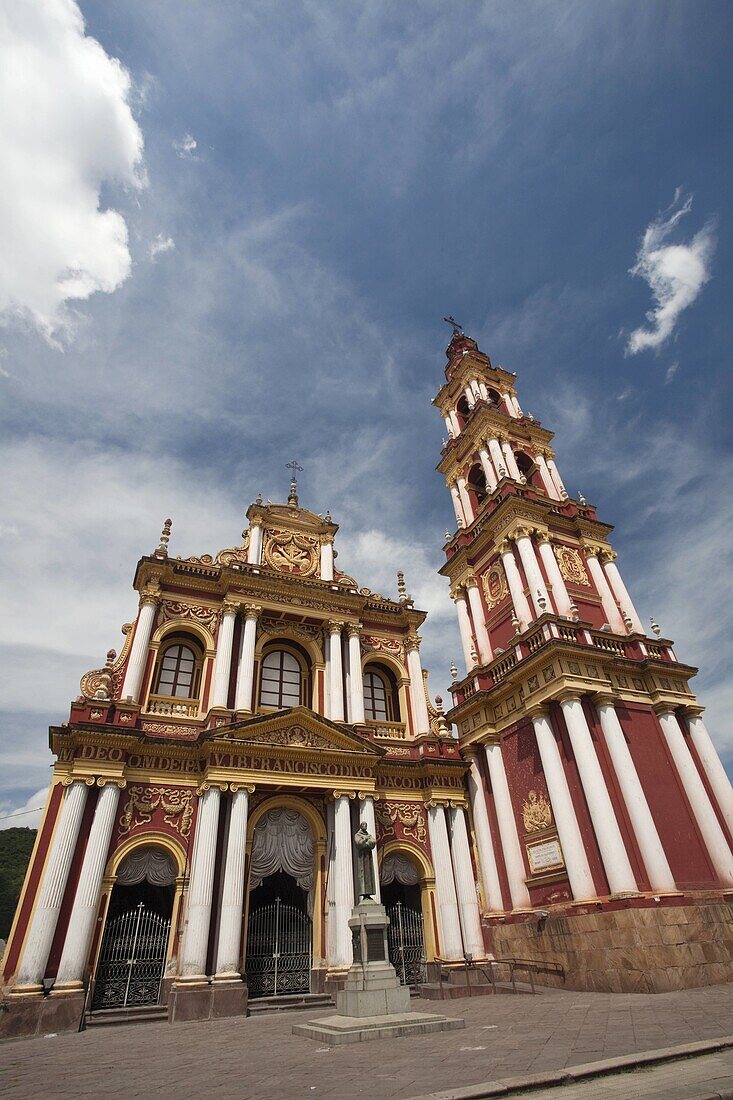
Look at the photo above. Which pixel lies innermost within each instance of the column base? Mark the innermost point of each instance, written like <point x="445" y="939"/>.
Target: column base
<point x="208" y="1000"/>
<point x="37" y="1015"/>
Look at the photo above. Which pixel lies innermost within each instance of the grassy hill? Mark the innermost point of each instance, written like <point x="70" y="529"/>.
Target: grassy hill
<point x="16" y="846"/>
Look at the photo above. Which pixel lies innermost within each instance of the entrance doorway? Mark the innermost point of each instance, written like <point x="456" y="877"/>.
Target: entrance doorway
<point x="279" y="938"/>
<point x="135" y="943"/>
<point x="400" y="890"/>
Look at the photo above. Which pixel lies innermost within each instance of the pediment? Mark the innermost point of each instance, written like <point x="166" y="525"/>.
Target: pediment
<point x="300" y="728"/>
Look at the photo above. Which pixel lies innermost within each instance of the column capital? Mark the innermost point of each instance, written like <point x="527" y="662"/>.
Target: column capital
<point x="458" y="593"/>
<point x="336" y="794"/>
<point x="521" y="532"/>
<point x="231" y="604"/>
<point x="604" y="699"/>
<point x="363" y="795"/>
<point x="660" y="709"/>
<point x="412" y="641"/>
<point x="251" y="610"/>
<point x="248" y="787"/>
<point x="608" y="556"/>
<point x="150" y="593"/>
<point x="470" y="581"/>
<point x="353" y="629"/>
<point x="334" y="626"/>
<point x="693" y="710"/>
<point x="504" y="547"/>
<point x="544" y="536"/>
<point x="569" y="696"/>
<point x="105" y="781"/>
<point x="539" y="710"/>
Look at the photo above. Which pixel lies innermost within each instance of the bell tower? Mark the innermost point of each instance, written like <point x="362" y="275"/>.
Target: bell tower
<point x="595" y="786"/>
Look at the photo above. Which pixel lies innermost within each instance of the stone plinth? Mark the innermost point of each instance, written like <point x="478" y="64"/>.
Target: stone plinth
<point x="207" y="1001"/>
<point x="372" y="1003"/>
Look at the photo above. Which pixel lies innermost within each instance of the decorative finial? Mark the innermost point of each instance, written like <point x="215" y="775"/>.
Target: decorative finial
<point x="628" y="622"/>
<point x="541" y="600"/>
<point x="296" y="469"/>
<point x="439" y="704"/>
<point x="581" y="498"/>
<point x="165" y="536"/>
<point x="516" y="625"/>
<point x="502" y="471"/>
<point x="402" y="588"/>
<point x="457" y="329"/>
<point x="574" y="616"/>
<point x="656" y="628"/>
<point x="522" y="479"/>
<point x="529" y="417"/>
<point x="453" y="672"/>
<point x="111" y="654"/>
<point x="259" y="499"/>
<point x="448" y="536"/>
<point x="563" y="494"/>
<point x="474" y="655"/>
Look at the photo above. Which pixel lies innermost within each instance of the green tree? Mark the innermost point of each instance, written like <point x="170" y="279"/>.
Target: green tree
<point x="16" y="846"/>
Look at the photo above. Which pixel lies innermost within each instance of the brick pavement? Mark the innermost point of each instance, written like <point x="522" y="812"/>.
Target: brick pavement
<point x="259" y="1058"/>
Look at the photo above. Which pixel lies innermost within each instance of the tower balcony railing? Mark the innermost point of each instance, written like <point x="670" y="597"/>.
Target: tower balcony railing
<point x="549" y="630"/>
<point x="387" y="731"/>
<point x="170" y="707"/>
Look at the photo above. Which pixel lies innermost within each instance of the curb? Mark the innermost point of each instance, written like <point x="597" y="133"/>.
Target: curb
<point x="510" y="1086"/>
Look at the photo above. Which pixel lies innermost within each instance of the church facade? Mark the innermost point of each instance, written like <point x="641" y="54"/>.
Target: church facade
<point x="196" y="848"/>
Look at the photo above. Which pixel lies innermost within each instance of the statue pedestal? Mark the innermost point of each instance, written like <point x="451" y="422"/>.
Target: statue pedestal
<point x="372" y="1004"/>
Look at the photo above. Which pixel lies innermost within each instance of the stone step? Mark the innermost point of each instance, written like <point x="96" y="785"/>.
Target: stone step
<point x="139" y="1014"/>
<point x="432" y="991"/>
<point x="260" y="1006"/>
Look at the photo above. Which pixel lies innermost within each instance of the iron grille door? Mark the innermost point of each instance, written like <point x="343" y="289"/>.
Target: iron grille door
<point x="279" y="950"/>
<point x="406" y="943"/>
<point x="132" y="959"/>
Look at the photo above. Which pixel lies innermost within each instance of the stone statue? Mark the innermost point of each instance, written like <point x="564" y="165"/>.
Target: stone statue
<point x="365" y="844"/>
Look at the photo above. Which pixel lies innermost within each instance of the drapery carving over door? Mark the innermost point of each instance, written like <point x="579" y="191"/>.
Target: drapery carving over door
<point x="399" y="867"/>
<point x="150" y="864"/>
<point x="283" y="841"/>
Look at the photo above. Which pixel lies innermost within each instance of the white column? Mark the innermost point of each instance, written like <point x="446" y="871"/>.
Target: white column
<point x="417" y="686"/>
<point x="336" y="672"/>
<point x="712" y="834"/>
<point x="484" y="840"/>
<point x="483" y="390"/>
<point x="451" y="943"/>
<point x="139" y="652"/>
<point x="327" y="560"/>
<point x="37" y="946"/>
<point x="343" y="882"/>
<point x="327" y="676"/>
<point x="449" y="426"/>
<point x="555" y="475"/>
<point x="573" y="849"/>
<point x="560" y="594"/>
<point x="476" y="388"/>
<point x="473" y="940"/>
<point x="611" y="611"/>
<point x="366" y="813"/>
<point x="223" y="665"/>
<point x="516" y="589"/>
<point x="618" y="589"/>
<point x="469" y="396"/>
<point x="245" y="672"/>
<point x="254" y="553"/>
<point x="232" y="899"/>
<point x="479" y="622"/>
<point x="464" y="626"/>
<point x="331" y="878"/>
<point x="613" y="850"/>
<point x="465" y="499"/>
<point x="489" y="473"/>
<point x="550" y="486"/>
<point x="716" y="773"/>
<point x="457" y="506"/>
<point x="511" y="462"/>
<point x="346" y="666"/>
<point x="198" y="917"/>
<point x="86" y="899"/>
<point x="642" y="822"/>
<point x="513" y="860"/>
<point x="456" y="423"/>
<point x="532" y="572"/>
<point x="497" y="457"/>
<point x="357" y="680"/>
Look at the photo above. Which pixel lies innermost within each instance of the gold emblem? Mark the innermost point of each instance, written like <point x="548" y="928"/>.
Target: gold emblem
<point x="142" y="802"/>
<point x="536" y="812"/>
<point x="495" y="586"/>
<point x="288" y="552"/>
<point x="409" y="816"/>
<point x="571" y="565"/>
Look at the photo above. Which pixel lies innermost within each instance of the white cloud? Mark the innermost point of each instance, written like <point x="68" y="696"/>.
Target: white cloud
<point x="676" y="273"/>
<point x="186" y="147"/>
<point x="671" y="372"/>
<point x="66" y="130"/>
<point x="160" y="244"/>
<point x="27" y="816"/>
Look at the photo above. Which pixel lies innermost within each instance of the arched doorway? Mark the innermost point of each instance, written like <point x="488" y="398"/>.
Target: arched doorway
<point x="401" y="897"/>
<point x="279" y="953"/>
<point x="135" y="943"/>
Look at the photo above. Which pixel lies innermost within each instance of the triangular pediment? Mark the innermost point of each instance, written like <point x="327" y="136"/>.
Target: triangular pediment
<point x="299" y="728"/>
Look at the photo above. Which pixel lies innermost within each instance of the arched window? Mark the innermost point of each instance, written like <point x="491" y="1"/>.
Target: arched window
<point x="281" y="680"/>
<point x="476" y="482"/>
<point x="464" y="411"/>
<point x="381" y="698"/>
<point x="528" y="467"/>
<point x="494" y="397"/>
<point x="179" y="669"/>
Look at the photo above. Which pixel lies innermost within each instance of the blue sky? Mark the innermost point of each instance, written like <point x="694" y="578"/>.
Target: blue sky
<point x="234" y="244"/>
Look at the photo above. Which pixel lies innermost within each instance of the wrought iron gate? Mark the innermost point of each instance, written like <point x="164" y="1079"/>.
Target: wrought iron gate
<point x="406" y="943"/>
<point x="132" y="959"/>
<point x="279" y="950"/>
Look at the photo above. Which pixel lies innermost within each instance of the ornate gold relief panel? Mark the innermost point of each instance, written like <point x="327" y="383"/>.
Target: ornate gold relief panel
<point x="288" y="552"/>
<point x="494" y="585"/>
<point x="571" y="565"/>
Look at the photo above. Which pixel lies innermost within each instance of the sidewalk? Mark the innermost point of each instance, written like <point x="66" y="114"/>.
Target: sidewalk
<point x="259" y="1058"/>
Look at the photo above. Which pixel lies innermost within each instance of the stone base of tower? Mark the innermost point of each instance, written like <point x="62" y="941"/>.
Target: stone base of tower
<point x="648" y="947"/>
<point x="25" y="1016"/>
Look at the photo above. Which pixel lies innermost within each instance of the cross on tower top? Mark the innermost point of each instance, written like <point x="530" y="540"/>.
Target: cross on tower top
<point x="296" y="469"/>
<point x="457" y="329"/>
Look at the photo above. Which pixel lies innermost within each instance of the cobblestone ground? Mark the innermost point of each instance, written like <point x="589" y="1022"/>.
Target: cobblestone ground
<point x="259" y="1058"/>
